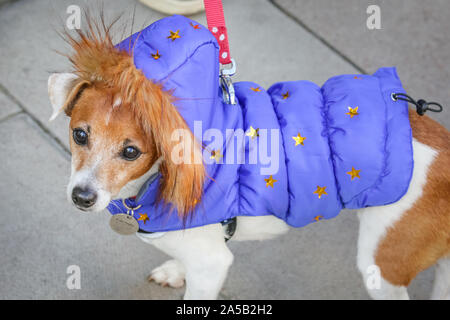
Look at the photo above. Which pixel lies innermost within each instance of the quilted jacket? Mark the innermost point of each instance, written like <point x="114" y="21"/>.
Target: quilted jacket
<point x="346" y="144"/>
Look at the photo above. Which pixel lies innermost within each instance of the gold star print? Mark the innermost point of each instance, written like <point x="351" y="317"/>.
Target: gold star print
<point x="354" y="173"/>
<point x="143" y="217"/>
<point x="195" y="26"/>
<point x="357" y="78"/>
<point x="215" y="154"/>
<point x="270" y="181"/>
<point x="318" y="218"/>
<point x="174" y="35"/>
<point x="352" y="112"/>
<point x="258" y="89"/>
<point x="286" y="95"/>
<point x="156" y="55"/>
<point x="299" y="140"/>
<point x="320" y="191"/>
<point x="252" y="133"/>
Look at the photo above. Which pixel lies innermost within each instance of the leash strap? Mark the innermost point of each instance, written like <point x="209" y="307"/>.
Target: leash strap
<point x="216" y="24"/>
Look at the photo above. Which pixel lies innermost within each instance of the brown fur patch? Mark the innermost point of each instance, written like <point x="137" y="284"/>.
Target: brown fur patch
<point x="112" y="73"/>
<point x="422" y="236"/>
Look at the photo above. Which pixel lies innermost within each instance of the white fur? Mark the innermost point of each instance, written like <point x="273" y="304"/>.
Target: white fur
<point x="259" y="228"/>
<point x="204" y="255"/>
<point x="59" y="87"/>
<point x="86" y="178"/>
<point x="374" y="222"/>
<point x="170" y="273"/>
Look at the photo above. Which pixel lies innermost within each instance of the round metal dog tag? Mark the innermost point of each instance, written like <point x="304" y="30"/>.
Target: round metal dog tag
<point x="124" y="224"/>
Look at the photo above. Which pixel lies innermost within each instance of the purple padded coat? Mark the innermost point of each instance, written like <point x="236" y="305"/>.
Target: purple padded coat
<point x="357" y="150"/>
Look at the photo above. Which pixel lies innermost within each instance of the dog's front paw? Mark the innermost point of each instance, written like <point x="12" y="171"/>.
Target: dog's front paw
<point x="171" y="273"/>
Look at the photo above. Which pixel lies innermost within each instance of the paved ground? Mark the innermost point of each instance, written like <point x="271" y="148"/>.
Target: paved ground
<point x="41" y="234"/>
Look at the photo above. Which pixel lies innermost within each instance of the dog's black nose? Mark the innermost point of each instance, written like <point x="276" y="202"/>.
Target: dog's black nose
<point x="83" y="198"/>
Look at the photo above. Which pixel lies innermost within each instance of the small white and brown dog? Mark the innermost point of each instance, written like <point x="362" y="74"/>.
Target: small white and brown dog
<point x="110" y="118"/>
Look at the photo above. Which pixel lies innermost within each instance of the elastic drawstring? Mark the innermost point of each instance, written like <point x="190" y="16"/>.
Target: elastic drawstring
<point x="421" y="106"/>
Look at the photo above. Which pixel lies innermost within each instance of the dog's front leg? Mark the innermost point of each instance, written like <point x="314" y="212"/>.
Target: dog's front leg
<point x="204" y="255"/>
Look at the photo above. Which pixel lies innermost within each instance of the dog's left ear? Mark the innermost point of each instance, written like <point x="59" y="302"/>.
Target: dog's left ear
<point x="63" y="89"/>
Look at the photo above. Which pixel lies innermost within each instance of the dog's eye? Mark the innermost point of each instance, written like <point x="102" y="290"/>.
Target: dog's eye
<point x="80" y="137"/>
<point x="131" y="153"/>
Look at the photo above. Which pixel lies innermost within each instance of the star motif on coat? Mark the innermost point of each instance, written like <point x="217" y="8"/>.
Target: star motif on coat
<point x="143" y="217"/>
<point x="156" y="55"/>
<point x="286" y="95"/>
<point x="299" y="140"/>
<point x="352" y="112"/>
<point x="216" y="155"/>
<point x="253" y="133"/>
<point x="318" y="218"/>
<point x="270" y="181"/>
<point x="195" y="26"/>
<point x="354" y="173"/>
<point x="257" y="89"/>
<point x="174" y="35"/>
<point x="320" y="191"/>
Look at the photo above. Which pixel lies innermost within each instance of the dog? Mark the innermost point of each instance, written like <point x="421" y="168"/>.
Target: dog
<point x="121" y="137"/>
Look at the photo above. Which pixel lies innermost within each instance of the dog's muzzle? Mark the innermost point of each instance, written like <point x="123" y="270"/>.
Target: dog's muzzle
<point x="83" y="198"/>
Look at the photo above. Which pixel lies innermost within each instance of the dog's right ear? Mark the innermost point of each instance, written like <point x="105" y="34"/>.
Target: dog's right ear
<point x="63" y="91"/>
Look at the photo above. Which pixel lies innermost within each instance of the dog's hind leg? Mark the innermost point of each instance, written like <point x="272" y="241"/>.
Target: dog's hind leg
<point x="380" y="246"/>
<point x="372" y="228"/>
<point x="441" y="287"/>
<point x="201" y="255"/>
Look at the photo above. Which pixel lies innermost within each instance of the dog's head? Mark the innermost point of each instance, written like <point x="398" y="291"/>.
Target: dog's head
<point x="121" y="124"/>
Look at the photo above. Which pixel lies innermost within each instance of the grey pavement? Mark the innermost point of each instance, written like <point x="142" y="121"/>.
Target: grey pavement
<point x="41" y="234"/>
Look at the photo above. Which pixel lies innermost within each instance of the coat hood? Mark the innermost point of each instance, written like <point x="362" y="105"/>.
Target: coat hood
<point x="182" y="56"/>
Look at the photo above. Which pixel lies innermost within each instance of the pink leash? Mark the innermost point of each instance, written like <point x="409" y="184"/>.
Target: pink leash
<point x="216" y="24"/>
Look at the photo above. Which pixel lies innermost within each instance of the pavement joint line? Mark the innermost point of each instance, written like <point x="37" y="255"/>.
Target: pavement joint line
<point x="318" y="37"/>
<point x="35" y="120"/>
<point x="49" y="139"/>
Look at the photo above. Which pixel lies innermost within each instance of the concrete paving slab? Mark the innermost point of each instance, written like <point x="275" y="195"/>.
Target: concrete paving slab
<point x="267" y="47"/>
<point x="414" y="37"/>
<point x="7" y="107"/>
